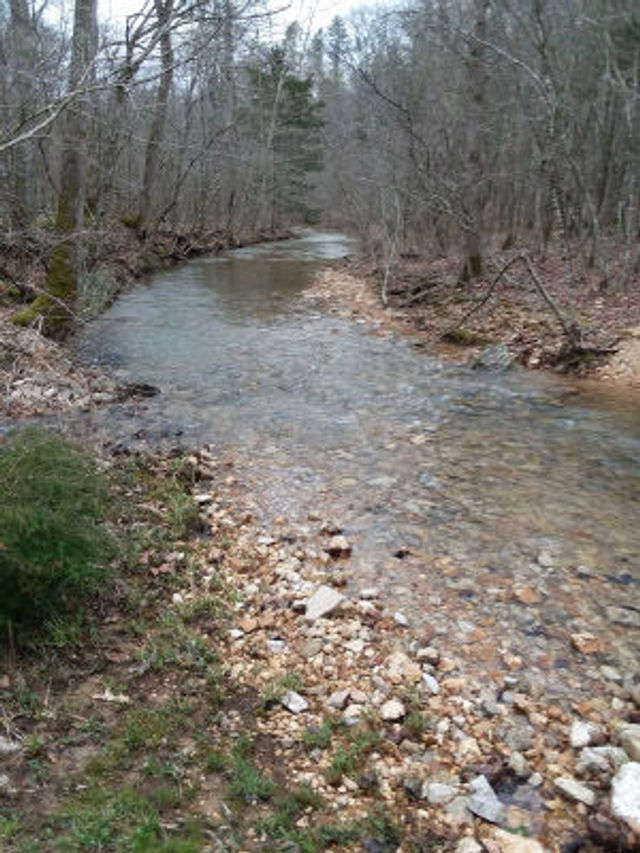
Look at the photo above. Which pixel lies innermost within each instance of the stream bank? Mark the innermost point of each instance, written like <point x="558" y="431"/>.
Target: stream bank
<point x="434" y="666"/>
<point x="454" y="322"/>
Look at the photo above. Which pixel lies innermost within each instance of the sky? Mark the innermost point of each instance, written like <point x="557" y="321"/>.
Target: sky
<point x="311" y="14"/>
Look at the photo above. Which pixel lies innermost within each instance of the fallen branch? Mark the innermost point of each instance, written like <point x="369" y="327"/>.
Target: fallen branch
<point x="571" y="329"/>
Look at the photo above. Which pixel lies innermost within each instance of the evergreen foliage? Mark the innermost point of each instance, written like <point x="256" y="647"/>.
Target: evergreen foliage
<point x="53" y="550"/>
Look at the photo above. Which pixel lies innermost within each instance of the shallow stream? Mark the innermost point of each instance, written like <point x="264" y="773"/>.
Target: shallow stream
<point x="448" y="481"/>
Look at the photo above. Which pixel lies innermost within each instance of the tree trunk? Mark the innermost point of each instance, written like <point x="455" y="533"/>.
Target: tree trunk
<point x="164" y="11"/>
<point x="66" y="259"/>
<point x="21" y="47"/>
<point x="476" y="196"/>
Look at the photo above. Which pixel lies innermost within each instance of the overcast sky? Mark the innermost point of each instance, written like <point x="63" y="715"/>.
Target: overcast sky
<point x="311" y="14"/>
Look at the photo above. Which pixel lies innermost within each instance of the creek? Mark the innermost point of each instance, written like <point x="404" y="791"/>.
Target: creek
<point x="451" y="483"/>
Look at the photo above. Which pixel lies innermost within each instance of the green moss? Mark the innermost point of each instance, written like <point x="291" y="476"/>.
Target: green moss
<point x="28" y="315"/>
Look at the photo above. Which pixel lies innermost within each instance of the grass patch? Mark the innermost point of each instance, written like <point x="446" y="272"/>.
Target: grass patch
<point x="319" y="737"/>
<point x="125" y="821"/>
<point x="55" y="550"/>
<point x="276" y="690"/>
<point x="349" y="758"/>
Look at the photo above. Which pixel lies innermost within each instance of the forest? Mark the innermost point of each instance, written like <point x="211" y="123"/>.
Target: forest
<point x="443" y="127"/>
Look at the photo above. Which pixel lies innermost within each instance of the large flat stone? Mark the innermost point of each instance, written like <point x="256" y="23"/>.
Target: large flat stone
<point x="324" y="601"/>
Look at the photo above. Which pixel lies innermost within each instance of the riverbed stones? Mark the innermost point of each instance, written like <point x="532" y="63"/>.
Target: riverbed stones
<point x="468" y="844"/>
<point x="392" y="710"/>
<point x="338" y="547"/>
<point x="496" y="358"/>
<point x="574" y="790"/>
<point x="582" y="733"/>
<point x="625" y="793"/>
<point x="600" y="760"/>
<point x="339" y="699"/>
<point x="507" y="842"/>
<point x="294" y="702"/>
<point x="586" y="643"/>
<point x="438" y="793"/>
<point x="483" y="801"/>
<point x="628" y="736"/>
<point x="324" y="601"/>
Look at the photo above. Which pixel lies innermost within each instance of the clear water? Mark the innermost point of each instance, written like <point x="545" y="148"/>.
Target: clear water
<point x="473" y="473"/>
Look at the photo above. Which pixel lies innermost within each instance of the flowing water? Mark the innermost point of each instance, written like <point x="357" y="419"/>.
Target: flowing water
<point x="451" y="483"/>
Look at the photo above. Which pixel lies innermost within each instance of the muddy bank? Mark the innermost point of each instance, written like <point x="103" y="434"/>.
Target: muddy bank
<point x="455" y="321"/>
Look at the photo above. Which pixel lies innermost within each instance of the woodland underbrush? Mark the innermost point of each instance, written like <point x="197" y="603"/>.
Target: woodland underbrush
<point x="550" y="308"/>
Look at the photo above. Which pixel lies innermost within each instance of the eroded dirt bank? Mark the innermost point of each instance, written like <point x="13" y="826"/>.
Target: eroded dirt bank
<point x="456" y="322"/>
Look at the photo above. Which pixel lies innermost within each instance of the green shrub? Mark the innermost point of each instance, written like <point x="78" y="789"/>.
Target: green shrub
<point x="53" y="550"/>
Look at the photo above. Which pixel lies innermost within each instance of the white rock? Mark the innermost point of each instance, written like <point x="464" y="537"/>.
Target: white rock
<point x="428" y="654"/>
<point x="8" y="747"/>
<point x="628" y="736"/>
<point x="400" y="619"/>
<point x="509" y="843"/>
<point x="400" y="667"/>
<point x="353" y="714"/>
<point x="469" y="845"/>
<point x="177" y="598"/>
<point x="392" y="710"/>
<point x="437" y="793"/>
<point x="295" y="703"/>
<point x="574" y="790"/>
<point x="369" y="593"/>
<point x="4" y="781"/>
<point x="339" y="699"/>
<point x="581" y="733"/>
<point x="324" y="601"/>
<point x="483" y="801"/>
<point x="611" y="674"/>
<point x="431" y="684"/>
<point x="338" y="546"/>
<point x="625" y="792"/>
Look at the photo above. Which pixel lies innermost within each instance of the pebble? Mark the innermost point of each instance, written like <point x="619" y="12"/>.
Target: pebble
<point x="294" y="702"/>
<point x="601" y="760"/>
<point x="324" y="601"/>
<point x="437" y="793"/>
<point x="625" y="792"/>
<point x="431" y="684"/>
<point x="586" y="643"/>
<point x="582" y="733"/>
<point x="628" y="736"/>
<point x="574" y="790"/>
<point x="483" y="801"/>
<point x="369" y="593"/>
<point x="392" y="711"/>
<point x="507" y="842"/>
<point x="339" y="699"/>
<point x="468" y="844"/>
<point x="400" y="619"/>
<point x="338" y="547"/>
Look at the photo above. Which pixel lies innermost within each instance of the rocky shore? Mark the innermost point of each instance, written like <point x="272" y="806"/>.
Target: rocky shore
<point x="503" y="716"/>
<point x="444" y="320"/>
